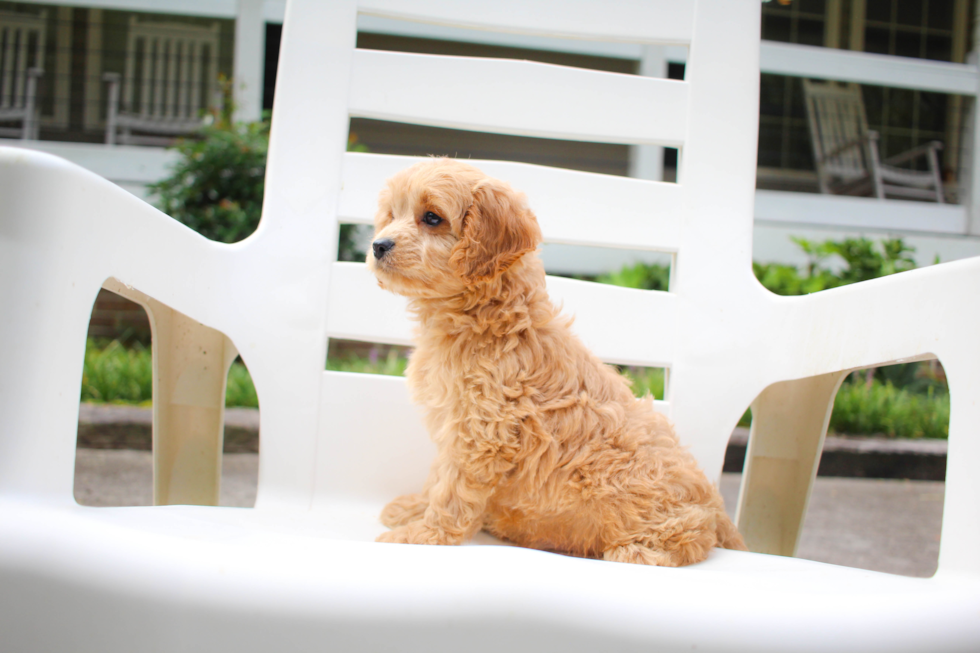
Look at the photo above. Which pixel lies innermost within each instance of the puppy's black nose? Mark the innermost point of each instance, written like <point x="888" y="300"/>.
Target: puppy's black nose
<point x="382" y="247"/>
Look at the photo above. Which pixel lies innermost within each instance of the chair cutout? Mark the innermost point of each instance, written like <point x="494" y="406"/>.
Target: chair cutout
<point x="301" y="567"/>
<point x="846" y="151"/>
<point x="170" y="79"/>
<point x="22" y="41"/>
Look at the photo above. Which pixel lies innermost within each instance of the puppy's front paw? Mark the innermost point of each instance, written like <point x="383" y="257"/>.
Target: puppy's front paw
<point x="416" y="533"/>
<point x="404" y="510"/>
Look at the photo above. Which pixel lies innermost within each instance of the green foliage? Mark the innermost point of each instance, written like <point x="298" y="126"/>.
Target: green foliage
<point x="882" y="408"/>
<point x="115" y="374"/>
<point x="787" y="280"/>
<point x="393" y="364"/>
<point x="863" y="259"/>
<point x="217" y="185"/>
<point x="240" y="391"/>
<point x="645" y="380"/>
<point x="647" y="276"/>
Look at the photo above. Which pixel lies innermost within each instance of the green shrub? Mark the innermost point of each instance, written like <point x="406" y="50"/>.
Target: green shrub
<point x="645" y="380"/>
<point x="647" y="276"/>
<point x="217" y="185"/>
<point x="393" y="364"/>
<point x="881" y="408"/>
<point x="115" y="374"/>
<point x="787" y="279"/>
<point x="240" y="391"/>
<point x="863" y="259"/>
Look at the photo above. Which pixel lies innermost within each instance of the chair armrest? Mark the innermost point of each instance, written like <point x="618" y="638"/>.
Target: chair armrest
<point x="31" y="121"/>
<point x="922" y="150"/>
<point x="112" y="107"/>
<point x="63" y="232"/>
<point x="867" y="138"/>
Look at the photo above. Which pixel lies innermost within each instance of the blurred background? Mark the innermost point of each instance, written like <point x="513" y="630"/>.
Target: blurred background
<point x="110" y="84"/>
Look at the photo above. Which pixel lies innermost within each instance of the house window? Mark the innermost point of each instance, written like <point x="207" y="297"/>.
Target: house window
<point x="803" y="21"/>
<point x="784" y="140"/>
<point x="923" y="29"/>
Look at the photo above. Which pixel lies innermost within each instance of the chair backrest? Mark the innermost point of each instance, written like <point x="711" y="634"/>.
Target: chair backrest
<point x="704" y="220"/>
<point x="171" y="70"/>
<point x="22" y="42"/>
<point x="836" y="116"/>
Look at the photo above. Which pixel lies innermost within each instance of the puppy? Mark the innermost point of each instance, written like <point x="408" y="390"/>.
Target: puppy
<point x="539" y="442"/>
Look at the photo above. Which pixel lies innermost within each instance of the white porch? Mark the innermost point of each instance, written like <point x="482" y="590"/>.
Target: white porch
<point x="948" y="231"/>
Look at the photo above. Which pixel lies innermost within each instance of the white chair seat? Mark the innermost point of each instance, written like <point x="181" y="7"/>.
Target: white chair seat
<point x="197" y="578"/>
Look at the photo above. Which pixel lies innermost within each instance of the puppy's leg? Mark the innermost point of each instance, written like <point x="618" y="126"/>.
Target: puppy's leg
<point x="683" y="538"/>
<point x="457" y="500"/>
<point x="405" y="509"/>
<point x="637" y="554"/>
<point x="695" y="550"/>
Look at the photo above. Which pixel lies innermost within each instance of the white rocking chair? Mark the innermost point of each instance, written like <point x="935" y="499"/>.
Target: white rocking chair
<point x="846" y="151"/>
<point x="170" y="79"/>
<point x="300" y="571"/>
<point x="22" y="40"/>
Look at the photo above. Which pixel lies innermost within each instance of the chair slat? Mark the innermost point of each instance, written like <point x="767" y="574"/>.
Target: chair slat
<point x="384" y="319"/>
<point x="621" y="325"/>
<point x="365" y="462"/>
<point x="518" y="97"/>
<point x="631" y="21"/>
<point x="572" y="207"/>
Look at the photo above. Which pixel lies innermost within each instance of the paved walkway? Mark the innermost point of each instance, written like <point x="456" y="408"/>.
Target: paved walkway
<point x="884" y="525"/>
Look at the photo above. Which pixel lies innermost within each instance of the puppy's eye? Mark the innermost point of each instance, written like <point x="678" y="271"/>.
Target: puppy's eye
<point x="431" y="219"/>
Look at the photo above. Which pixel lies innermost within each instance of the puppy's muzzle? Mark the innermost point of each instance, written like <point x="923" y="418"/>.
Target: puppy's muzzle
<point x="382" y="246"/>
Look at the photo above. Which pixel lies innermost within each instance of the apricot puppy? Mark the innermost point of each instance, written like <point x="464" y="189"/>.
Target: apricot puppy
<point x="538" y="441"/>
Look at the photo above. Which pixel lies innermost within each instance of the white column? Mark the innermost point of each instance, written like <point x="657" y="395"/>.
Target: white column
<point x="249" y="60"/>
<point x="970" y="157"/>
<point x="647" y="161"/>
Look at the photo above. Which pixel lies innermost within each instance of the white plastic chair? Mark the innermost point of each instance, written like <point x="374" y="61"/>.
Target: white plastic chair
<point x="300" y="571"/>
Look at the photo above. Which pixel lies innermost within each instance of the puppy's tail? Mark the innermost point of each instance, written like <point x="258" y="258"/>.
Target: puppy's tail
<point x="728" y="535"/>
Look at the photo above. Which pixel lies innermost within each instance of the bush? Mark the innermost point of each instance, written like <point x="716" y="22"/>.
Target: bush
<point x="863" y="259"/>
<point x="216" y="187"/>
<point x="393" y="364"/>
<point x="881" y="408"/>
<point x="115" y="374"/>
<point x="646" y="276"/>
<point x="645" y="380"/>
<point x="240" y="391"/>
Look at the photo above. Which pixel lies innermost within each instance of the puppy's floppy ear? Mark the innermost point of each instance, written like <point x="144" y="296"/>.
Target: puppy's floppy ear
<point x="497" y="230"/>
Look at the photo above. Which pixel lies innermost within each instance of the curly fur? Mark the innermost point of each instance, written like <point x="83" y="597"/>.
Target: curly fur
<point x="538" y="441"/>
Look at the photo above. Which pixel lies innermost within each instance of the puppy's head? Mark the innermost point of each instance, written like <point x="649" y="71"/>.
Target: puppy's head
<point x="443" y="226"/>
